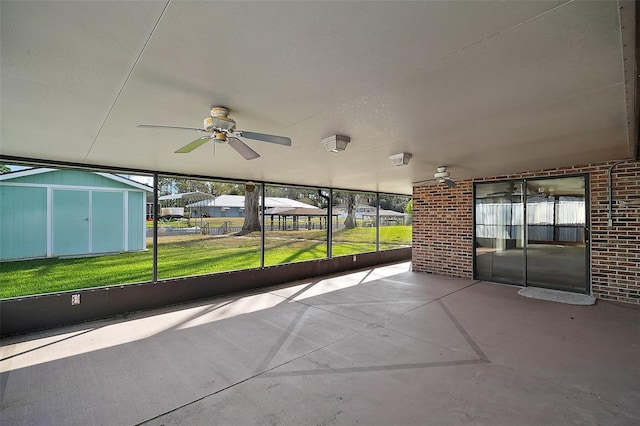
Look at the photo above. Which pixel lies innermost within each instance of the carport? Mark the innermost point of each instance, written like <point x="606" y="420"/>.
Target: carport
<point x="283" y="213"/>
<point x="180" y="201"/>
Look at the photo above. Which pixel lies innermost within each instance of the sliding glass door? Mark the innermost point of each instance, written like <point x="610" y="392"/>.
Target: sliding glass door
<point x="556" y="234"/>
<point x="533" y="232"/>
<point x="500" y="232"/>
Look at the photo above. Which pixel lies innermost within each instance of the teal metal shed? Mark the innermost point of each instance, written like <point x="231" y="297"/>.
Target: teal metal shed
<point x="51" y="213"/>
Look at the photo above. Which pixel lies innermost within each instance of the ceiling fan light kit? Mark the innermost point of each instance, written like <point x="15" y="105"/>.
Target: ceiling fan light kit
<point x="220" y="120"/>
<point x="401" y="159"/>
<point x="222" y="129"/>
<point x="336" y="143"/>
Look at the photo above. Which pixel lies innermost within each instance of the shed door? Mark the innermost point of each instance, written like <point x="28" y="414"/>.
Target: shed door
<point x="70" y="217"/>
<point x="107" y="221"/>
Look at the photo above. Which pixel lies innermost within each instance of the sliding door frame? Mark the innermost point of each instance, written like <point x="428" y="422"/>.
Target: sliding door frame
<point x="587" y="229"/>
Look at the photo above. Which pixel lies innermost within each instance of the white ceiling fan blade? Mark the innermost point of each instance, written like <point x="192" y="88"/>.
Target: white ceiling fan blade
<point x="266" y="138"/>
<point x="423" y="182"/>
<point x="193" y="145"/>
<point x="153" y="126"/>
<point x="242" y="148"/>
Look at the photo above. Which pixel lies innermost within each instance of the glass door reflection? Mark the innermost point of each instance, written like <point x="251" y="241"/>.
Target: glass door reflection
<point x="556" y="234"/>
<point x="500" y="232"/>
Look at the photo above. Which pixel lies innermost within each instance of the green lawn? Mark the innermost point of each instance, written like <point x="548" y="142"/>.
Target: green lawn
<point x="189" y="255"/>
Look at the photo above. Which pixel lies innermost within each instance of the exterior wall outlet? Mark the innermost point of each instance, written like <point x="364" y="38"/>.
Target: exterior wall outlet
<point x="75" y="299"/>
<point x="354" y="257"/>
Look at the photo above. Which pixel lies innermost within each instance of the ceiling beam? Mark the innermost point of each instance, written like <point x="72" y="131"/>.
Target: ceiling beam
<point x="629" y="32"/>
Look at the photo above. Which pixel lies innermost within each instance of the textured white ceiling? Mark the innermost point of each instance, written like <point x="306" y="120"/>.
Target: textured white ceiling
<point x="487" y="88"/>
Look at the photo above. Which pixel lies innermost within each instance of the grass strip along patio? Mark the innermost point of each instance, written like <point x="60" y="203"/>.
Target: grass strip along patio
<point x="189" y="255"/>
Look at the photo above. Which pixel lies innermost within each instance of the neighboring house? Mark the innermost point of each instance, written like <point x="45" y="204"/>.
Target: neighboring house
<point x="387" y="217"/>
<point x="233" y="206"/>
<point x="361" y="211"/>
<point x="50" y="213"/>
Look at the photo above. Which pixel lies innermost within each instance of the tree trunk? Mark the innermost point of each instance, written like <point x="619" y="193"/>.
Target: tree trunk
<point x="251" y="209"/>
<point x="350" y="221"/>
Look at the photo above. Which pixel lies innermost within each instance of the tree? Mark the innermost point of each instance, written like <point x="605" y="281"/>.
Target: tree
<point x="4" y="169"/>
<point x="251" y="209"/>
<point x="408" y="209"/>
<point x="391" y="202"/>
<point x="226" y="188"/>
<point x="166" y="185"/>
<point x="171" y="185"/>
<point x="350" y="221"/>
<point x="347" y="200"/>
<point x="304" y="195"/>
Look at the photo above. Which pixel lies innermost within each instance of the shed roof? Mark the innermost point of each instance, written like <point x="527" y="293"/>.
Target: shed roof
<point x="41" y="170"/>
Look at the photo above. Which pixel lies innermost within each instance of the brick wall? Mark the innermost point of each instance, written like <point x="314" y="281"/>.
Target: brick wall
<point x="443" y="228"/>
<point x="615" y="250"/>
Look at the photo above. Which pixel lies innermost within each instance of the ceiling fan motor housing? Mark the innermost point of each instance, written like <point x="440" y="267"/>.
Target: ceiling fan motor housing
<point x="441" y="175"/>
<point x="218" y="111"/>
<point x="219" y="120"/>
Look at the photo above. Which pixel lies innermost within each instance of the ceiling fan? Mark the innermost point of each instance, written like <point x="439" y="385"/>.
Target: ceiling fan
<point x="441" y="176"/>
<point x="221" y="128"/>
<point x="511" y="190"/>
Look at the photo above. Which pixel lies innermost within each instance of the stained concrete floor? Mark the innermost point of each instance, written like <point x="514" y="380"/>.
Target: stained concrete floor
<point x="384" y="346"/>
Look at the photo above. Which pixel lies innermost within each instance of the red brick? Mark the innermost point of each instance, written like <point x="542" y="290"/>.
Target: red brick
<point x="443" y="228"/>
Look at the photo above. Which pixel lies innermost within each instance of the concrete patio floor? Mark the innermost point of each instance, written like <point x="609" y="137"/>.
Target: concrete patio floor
<point x="383" y="346"/>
